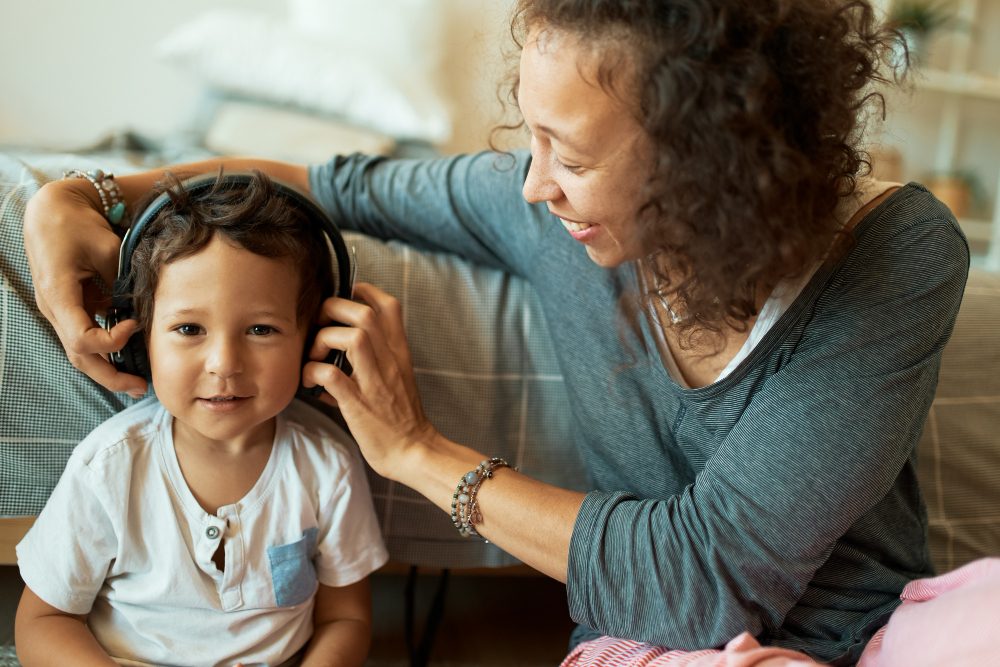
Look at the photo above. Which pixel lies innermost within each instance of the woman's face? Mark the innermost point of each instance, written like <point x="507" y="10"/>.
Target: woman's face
<point x="589" y="154"/>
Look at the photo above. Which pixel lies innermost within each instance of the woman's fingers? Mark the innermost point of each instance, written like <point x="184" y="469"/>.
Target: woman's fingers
<point x="378" y="400"/>
<point x="358" y="327"/>
<point x="368" y="364"/>
<point x="86" y="343"/>
<point x="89" y="354"/>
<point x="369" y="330"/>
<point x="393" y="329"/>
<point x="68" y="246"/>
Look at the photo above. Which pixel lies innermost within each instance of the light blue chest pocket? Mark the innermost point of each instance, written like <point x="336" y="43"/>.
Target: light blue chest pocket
<point x="292" y="573"/>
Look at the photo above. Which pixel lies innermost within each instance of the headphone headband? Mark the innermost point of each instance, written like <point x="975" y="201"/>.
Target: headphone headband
<point x="233" y="180"/>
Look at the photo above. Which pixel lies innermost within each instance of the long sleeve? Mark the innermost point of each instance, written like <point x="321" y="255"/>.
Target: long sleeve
<point x="469" y="205"/>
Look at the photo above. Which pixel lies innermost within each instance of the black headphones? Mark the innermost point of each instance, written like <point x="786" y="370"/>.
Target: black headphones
<point x="133" y="358"/>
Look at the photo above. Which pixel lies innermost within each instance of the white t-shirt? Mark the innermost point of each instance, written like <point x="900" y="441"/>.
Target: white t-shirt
<point x="123" y="539"/>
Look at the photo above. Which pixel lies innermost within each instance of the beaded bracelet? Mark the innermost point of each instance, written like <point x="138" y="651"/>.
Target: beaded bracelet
<point x="106" y="186"/>
<point x="465" y="512"/>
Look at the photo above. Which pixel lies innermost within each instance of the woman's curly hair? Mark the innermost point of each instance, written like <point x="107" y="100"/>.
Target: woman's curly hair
<point x="756" y="112"/>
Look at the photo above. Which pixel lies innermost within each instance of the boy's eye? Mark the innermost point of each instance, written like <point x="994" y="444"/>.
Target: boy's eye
<point x="260" y="330"/>
<point x="188" y="329"/>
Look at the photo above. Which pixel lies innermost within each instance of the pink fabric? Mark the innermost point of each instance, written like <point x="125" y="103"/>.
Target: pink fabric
<point x="951" y="620"/>
<point x="743" y="651"/>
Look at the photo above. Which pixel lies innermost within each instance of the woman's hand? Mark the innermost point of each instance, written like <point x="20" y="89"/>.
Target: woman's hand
<point x="69" y="245"/>
<point x="380" y="404"/>
<point x="379" y="400"/>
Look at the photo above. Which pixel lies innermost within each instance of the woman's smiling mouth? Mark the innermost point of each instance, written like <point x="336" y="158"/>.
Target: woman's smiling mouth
<point x="581" y="231"/>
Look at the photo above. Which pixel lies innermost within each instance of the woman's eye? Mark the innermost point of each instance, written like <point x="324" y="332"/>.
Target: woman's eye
<point x="188" y="329"/>
<point x="261" y="330"/>
<point x="572" y="168"/>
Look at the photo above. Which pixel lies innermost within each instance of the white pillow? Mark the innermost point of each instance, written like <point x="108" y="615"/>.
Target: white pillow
<point x="404" y="36"/>
<point x="266" y="131"/>
<point x="261" y="57"/>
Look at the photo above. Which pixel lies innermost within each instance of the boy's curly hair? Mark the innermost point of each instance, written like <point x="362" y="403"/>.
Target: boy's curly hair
<point x="255" y="217"/>
<point x="756" y="112"/>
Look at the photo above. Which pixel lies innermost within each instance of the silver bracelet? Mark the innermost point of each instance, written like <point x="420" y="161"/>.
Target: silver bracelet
<point x="465" y="512"/>
<point x="106" y="186"/>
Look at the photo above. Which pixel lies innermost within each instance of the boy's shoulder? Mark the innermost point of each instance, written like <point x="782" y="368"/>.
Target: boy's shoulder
<point x="117" y="437"/>
<point x="311" y="423"/>
<point x="314" y="436"/>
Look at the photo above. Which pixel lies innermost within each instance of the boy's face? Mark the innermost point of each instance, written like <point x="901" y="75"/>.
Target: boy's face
<point x="225" y="344"/>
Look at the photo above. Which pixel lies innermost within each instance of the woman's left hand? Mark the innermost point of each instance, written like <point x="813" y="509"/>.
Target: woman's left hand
<point x="379" y="400"/>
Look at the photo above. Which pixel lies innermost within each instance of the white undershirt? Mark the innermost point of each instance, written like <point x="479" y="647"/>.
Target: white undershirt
<point x="783" y="295"/>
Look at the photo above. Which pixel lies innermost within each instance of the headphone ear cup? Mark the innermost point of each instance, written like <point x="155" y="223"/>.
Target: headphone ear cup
<point x="133" y="358"/>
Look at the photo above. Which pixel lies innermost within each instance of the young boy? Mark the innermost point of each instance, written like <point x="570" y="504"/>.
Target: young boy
<point x="223" y="522"/>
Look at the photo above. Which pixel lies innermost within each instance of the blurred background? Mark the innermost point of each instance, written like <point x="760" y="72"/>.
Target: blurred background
<point x="943" y="128"/>
<point x="78" y="71"/>
<point x="302" y="79"/>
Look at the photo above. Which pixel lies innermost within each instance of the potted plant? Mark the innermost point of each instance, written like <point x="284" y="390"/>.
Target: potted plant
<point x="916" y="20"/>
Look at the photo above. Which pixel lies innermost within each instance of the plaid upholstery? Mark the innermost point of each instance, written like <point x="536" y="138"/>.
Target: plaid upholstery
<point x="46" y="406"/>
<point x="488" y="378"/>
<point x="959" y="458"/>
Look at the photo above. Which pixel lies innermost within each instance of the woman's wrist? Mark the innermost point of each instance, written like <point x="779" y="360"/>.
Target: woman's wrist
<point x="433" y="466"/>
<point x="80" y="190"/>
<point x="112" y="203"/>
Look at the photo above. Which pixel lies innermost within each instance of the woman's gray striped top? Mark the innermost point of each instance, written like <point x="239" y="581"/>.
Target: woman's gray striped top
<point x="781" y="500"/>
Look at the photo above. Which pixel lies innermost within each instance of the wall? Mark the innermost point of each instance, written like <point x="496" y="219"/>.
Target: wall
<point x="75" y="71"/>
<point x="477" y="60"/>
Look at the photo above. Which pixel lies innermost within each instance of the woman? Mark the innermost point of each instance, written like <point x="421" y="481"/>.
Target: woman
<point x="750" y="330"/>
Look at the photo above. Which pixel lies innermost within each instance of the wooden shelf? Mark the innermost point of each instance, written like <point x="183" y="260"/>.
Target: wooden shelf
<point x="959" y="83"/>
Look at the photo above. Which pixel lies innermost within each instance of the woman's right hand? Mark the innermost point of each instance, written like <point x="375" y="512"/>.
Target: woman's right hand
<point x="69" y="245"/>
<point x="379" y="400"/>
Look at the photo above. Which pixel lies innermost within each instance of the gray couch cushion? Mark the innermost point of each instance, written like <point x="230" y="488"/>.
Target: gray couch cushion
<point x="959" y="457"/>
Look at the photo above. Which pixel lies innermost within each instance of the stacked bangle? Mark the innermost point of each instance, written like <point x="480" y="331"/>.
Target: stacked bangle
<point x="108" y="190"/>
<point x="465" y="512"/>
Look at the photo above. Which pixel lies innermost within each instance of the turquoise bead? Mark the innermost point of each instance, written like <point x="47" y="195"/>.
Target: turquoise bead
<point x="116" y="213"/>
